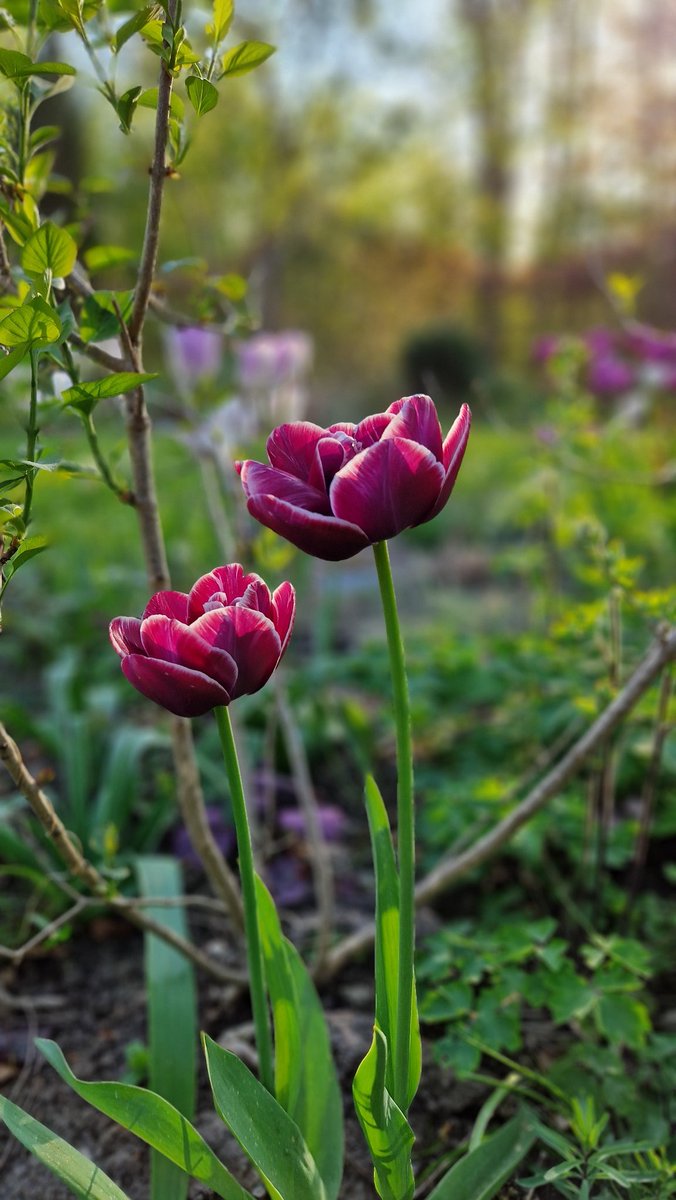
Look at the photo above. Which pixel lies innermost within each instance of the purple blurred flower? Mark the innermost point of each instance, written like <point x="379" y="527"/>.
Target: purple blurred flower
<point x="652" y="345"/>
<point x="600" y="343"/>
<point x="226" y="429"/>
<point x="545" y="347"/>
<point x="331" y="821"/>
<point x="224" y="836"/>
<point x="195" y="353"/>
<point x="608" y="375"/>
<point x="268" y="360"/>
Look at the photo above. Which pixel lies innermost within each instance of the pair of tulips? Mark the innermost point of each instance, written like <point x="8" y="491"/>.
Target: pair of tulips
<point x="331" y="492"/>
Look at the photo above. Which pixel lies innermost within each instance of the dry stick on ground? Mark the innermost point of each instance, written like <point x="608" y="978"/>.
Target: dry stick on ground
<point x="82" y="869"/>
<point x="322" y="871"/>
<point x="190" y="796"/>
<point x="660" y="655"/>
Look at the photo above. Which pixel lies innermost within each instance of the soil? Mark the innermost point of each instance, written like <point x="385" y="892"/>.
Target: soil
<point x="88" y="995"/>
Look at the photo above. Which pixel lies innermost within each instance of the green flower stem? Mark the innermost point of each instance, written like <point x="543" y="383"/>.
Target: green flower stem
<point x="248" y="883"/>
<point x="405" y="824"/>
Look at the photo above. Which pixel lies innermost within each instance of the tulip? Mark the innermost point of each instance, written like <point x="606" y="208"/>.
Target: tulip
<point x="333" y="491"/>
<point x="191" y="652"/>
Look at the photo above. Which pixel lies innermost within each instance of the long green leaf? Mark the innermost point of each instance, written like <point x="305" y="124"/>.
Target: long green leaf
<point x="72" y="1168"/>
<point x="306" y="1083"/>
<point x="388" y="1134"/>
<point x="85" y="396"/>
<point x="481" y="1174"/>
<point x="266" y="1133"/>
<point x="154" y="1121"/>
<point x="387" y="940"/>
<point x="172" y="1016"/>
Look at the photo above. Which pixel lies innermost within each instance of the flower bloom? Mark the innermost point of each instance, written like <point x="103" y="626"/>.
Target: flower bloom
<point x="334" y="491"/>
<point x="191" y="652"/>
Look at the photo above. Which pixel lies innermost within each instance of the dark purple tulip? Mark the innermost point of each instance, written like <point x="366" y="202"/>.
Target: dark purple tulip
<point x="191" y="652"/>
<point x="334" y="491"/>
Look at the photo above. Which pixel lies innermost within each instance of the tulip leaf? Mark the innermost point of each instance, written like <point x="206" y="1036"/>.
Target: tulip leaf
<point x="80" y="1175"/>
<point x="32" y="324"/>
<point x="246" y="57"/>
<point x="50" y="248"/>
<point x="387" y="1132"/>
<point x="153" y="1120"/>
<point x="306" y="1083"/>
<point x="267" y="1134"/>
<point x="201" y="93"/>
<point x="387" y="940"/>
<point x="172" y="1015"/>
<point x="480" y="1174"/>
<point x="85" y="396"/>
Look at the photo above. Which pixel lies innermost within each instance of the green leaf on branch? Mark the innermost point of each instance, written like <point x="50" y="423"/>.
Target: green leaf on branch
<point x="50" y="248"/>
<point x="148" y="99"/>
<point x="27" y="550"/>
<point x="98" y="319"/>
<point x="266" y="1133"/>
<point x="84" y="1179"/>
<point x="202" y="95"/>
<point x="103" y="258"/>
<point x="154" y="1121"/>
<point x="246" y="57"/>
<point x="387" y="1132"/>
<point x="152" y="12"/>
<point x="33" y="324"/>
<point x="387" y="940"/>
<point x="306" y="1084"/>
<point x="9" y="361"/>
<point x="224" y="11"/>
<point x="17" y="66"/>
<point x="85" y="396"/>
<point x="480" y="1174"/>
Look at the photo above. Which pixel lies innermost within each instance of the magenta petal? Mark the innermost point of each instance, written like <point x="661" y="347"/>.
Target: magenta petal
<point x="125" y="635"/>
<point x="387" y="488"/>
<point x="291" y="447"/>
<point x="249" y="637"/>
<point x="416" y="418"/>
<point x="329" y="458"/>
<point x="232" y="579"/>
<point x="454" y="450"/>
<point x="171" y="604"/>
<point x="258" y="480"/>
<point x="284" y="603"/>
<point x="182" y="691"/>
<point x="171" y="641"/>
<point x="371" y="429"/>
<point x="316" y="534"/>
<point x="202" y="591"/>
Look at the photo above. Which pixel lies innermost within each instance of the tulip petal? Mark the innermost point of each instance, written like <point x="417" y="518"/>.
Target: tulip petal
<point x="171" y="641"/>
<point x="171" y="604"/>
<point x="291" y="447"/>
<point x="415" y="417"/>
<point x="284" y="604"/>
<point x="125" y="635"/>
<point x="322" y="536"/>
<point x="215" y="583"/>
<point x="330" y="454"/>
<point x="248" y="637"/>
<point x="454" y="450"/>
<point x="387" y="488"/>
<point x="175" y="687"/>
<point x="259" y="480"/>
<point x="371" y="429"/>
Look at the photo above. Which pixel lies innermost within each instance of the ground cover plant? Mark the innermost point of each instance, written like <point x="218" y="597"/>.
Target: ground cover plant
<point x="544" y="754"/>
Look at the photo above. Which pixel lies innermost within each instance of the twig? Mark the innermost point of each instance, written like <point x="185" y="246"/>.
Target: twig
<point x="661" y="654"/>
<point x="101" y="357"/>
<point x="44" y="934"/>
<point x="322" y="871"/>
<point x="81" y="868"/>
<point x="158" y="175"/>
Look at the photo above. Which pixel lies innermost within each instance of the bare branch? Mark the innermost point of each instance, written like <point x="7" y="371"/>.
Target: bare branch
<point x="661" y="653"/>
